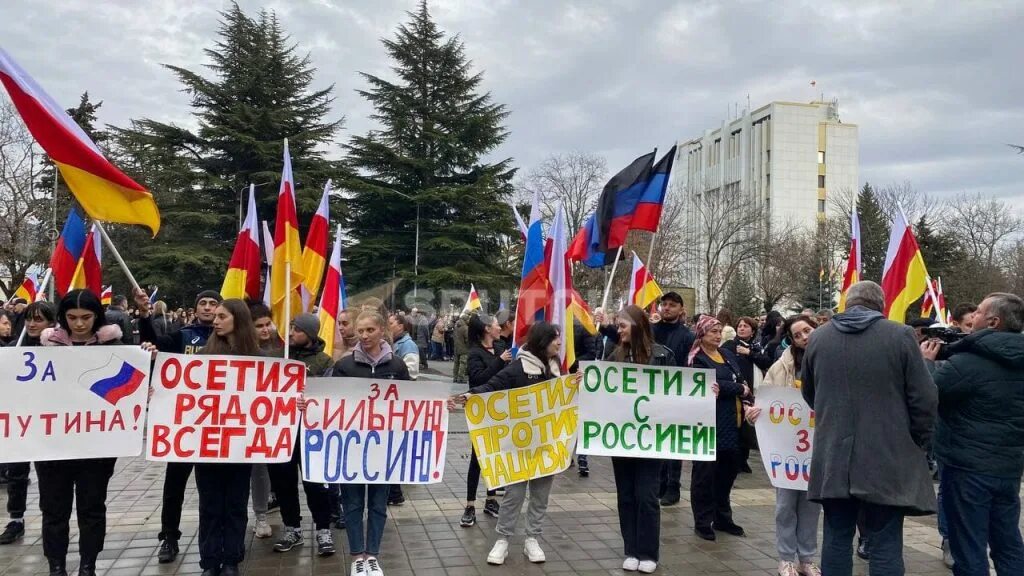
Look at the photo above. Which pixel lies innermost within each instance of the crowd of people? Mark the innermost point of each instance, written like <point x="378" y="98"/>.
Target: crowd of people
<point x="888" y="400"/>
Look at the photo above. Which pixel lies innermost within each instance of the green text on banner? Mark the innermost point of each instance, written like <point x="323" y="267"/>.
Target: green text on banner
<point x="224" y="409"/>
<point x="523" y="433"/>
<point x="646" y="411"/>
<point x="61" y="403"/>
<point x="785" y="434"/>
<point x="364" y="431"/>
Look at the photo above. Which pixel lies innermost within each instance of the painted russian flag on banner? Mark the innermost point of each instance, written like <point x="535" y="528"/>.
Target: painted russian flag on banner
<point x="314" y="255"/>
<point x="89" y="273"/>
<point x="105" y="193"/>
<point x="28" y="289"/>
<point x="70" y="247"/>
<point x="114" y="381"/>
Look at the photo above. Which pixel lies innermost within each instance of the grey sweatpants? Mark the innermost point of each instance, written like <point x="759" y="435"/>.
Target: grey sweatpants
<point x="796" y="525"/>
<point x="536" y="510"/>
<point x="260" y="483"/>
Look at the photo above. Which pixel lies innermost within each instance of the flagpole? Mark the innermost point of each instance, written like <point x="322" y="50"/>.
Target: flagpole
<point x="39" y="296"/>
<point x="287" y="303"/>
<point x="611" y="278"/>
<point x="117" y="256"/>
<point x="935" y="300"/>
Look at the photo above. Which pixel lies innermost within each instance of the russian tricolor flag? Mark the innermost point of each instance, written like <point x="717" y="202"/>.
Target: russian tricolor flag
<point x="114" y="381"/>
<point x="70" y="247"/>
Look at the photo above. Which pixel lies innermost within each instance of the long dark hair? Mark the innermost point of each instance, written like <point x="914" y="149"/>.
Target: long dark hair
<point x="770" y="330"/>
<point x="540" y="336"/>
<point x="641" y="338"/>
<point x="787" y="327"/>
<point x="477" y="328"/>
<point x="242" y="341"/>
<point x="84" y="300"/>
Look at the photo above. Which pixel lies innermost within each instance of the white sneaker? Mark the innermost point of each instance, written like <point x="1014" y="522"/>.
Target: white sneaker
<point x="373" y="567"/>
<point x="358" y="568"/>
<point x="533" y="551"/>
<point x="631" y="564"/>
<point x="648" y="566"/>
<point x="262" y="529"/>
<point x="498" y="553"/>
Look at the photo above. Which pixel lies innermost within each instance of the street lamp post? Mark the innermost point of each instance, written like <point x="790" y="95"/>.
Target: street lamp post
<point x="241" y="210"/>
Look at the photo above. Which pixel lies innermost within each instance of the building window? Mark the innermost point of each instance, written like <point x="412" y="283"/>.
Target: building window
<point x="821" y="180"/>
<point x="821" y="206"/>
<point x="821" y="156"/>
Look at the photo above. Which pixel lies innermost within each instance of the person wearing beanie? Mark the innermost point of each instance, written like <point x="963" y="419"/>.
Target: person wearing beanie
<point x="188" y="339"/>
<point x="306" y="346"/>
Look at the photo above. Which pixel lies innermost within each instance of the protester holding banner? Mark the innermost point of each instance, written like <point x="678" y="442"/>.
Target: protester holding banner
<point x="670" y="331"/>
<point x="796" y="517"/>
<point x="81" y="322"/>
<point x="187" y="340"/>
<point x="306" y="346"/>
<point x="371" y="358"/>
<point x="224" y="488"/>
<point x="711" y="482"/>
<point x="537" y="361"/>
<point x="487" y="356"/>
<point x="637" y="479"/>
<point x="38" y="317"/>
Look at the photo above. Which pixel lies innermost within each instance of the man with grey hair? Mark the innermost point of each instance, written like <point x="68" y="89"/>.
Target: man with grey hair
<point x="980" y="437"/>
<point x="875" y="406"/>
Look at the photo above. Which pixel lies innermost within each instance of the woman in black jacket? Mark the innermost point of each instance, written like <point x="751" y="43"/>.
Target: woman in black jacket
<point x="487" y="356"/>
<point x="371" y="358"/>
<point x="538" y="361"/>
<point x="711" y="482"/>
<point x="81" y="322"/>
<point x="224" y="488"/>
<point x="637" y="480"/>
<point x="751" y="359"/>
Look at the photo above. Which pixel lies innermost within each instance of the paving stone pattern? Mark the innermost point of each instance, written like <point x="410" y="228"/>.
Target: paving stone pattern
<point x="423" y="537"/>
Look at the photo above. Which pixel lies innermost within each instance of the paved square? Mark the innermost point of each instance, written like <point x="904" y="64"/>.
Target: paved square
<point x="423" y="536"/>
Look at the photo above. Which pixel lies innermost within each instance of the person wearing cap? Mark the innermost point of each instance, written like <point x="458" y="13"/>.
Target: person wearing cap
<point x="188" y="339"/>
<point x="306" y="346"/>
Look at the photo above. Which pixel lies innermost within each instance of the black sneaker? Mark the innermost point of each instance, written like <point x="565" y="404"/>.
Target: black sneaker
<point x="291" y="538"/>
<point x="706" y="534"/>
<point x="168" y="551"/>
<point x="339" y="523"/>
<point x="734" y="529"/>
<point x="862" y="549"/>
<point x="325" y="542"/>
<point x="396" y="501"/>
<point x="667" y="501"/>
<point x="13" y="532"/>
<point x="491" y="508"/>
<point x="584" y="472"/>
<point x="468" y="517"/>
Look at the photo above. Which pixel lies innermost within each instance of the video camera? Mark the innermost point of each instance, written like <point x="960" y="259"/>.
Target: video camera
<point x="944" y="333"/>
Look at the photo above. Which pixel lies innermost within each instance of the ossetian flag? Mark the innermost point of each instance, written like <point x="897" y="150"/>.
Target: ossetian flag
<point x="314" y="254"/>
<point x="243" y="277"/>
<point x="904" y="277"/>
<point x="105" y="193"/>
<point x="287" y="253"/>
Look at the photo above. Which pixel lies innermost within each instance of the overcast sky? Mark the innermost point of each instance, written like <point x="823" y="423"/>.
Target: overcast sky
<point x="935" y="88"/>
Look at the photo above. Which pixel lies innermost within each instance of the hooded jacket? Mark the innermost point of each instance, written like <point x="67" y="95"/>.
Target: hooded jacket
<point x="875" y="407"/>
<point x="359" y="364"/>
<point x="317" y="362"/>
<point x="981" y="404"/>
<point x="108" y="335"/>
<point x="525" y="370"/>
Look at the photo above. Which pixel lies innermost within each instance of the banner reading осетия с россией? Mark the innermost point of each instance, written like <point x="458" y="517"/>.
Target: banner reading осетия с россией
<point x="646" y="411"/>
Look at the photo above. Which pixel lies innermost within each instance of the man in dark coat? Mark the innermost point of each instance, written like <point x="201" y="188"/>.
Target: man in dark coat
<point x="980" y="437"/>
<point x="875" y="407"/>
<point x="671" y="332"/>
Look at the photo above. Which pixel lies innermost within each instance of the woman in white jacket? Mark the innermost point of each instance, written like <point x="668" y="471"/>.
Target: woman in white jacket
<point x="796" y="517"/>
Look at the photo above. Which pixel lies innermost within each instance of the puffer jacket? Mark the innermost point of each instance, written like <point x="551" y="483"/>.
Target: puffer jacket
<point x="109" y="335"/>
<point x="981" y="404"/>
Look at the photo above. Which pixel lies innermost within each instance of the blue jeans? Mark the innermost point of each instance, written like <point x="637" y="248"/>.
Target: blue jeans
<point x="981" y="512"/>
<point x="883" y="526"/>
<point x="369" y="498"/>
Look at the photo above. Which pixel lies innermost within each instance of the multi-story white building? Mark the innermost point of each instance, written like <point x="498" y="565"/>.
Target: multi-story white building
<point x="785" y="158"/>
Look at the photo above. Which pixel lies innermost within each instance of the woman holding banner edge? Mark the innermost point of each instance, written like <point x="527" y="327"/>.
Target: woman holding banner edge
<point x="637" y="480"/>
<point x="224" y="488"/>
<point x="537" y="361"/>
<point x="796" y="517"/>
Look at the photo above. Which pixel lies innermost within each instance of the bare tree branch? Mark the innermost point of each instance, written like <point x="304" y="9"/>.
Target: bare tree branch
<point x="574" y="179"/>
<point x="985" y="225"/>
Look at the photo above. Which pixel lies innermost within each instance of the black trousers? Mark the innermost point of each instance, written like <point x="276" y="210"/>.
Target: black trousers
<point x="473" y="479"/>
<point x="284" y="482"/>
<point x="175" y="481"/>
<point x="223" y="513"/>
<point x="17" y="488"/>
<point x="671" y="479"/>
<point x="63" y="482"/>
<point x="636" y="485"/>
<point x="711" y="487"/>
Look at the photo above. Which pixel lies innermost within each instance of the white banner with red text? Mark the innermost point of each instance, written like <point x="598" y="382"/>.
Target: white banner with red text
<point x="785" y="434"/>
